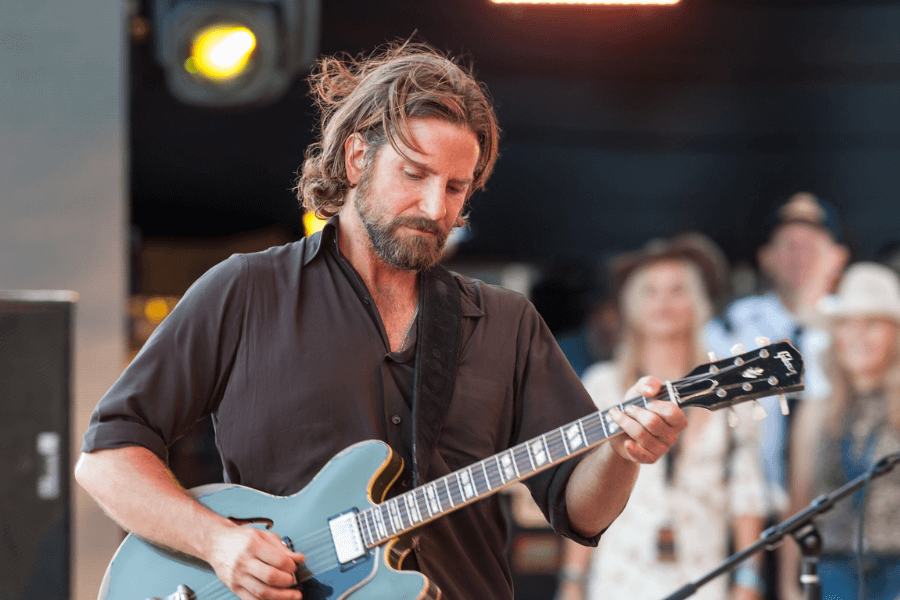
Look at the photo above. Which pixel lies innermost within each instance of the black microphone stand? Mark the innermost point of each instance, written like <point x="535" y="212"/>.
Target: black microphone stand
<point x="803" y="529"/>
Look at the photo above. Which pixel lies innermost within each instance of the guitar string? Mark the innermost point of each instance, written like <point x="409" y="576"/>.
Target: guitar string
<point x="312" y="552"/>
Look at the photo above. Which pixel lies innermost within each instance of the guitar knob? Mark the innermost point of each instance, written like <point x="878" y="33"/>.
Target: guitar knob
<point x="737" y="349"/>
<point x="783" y="404"/>
<point x="712" y="356"/>
<point x="759" y="413"/>
<point x="762" y="341"/>
<point x="733" y="419"/>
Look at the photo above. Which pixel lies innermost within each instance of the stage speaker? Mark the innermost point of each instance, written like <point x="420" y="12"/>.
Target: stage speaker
<point x="35" y="396"/>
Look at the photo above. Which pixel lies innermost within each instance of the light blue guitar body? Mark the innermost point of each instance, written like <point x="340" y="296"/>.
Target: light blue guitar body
<point x="350" y="481"/>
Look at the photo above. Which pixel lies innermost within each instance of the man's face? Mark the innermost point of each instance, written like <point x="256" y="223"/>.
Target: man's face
<point x="794" y="253"/>
<point x="409" y="205"/>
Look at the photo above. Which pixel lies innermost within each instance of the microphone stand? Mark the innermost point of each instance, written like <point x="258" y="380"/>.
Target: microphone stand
<point x="803" y="529"/>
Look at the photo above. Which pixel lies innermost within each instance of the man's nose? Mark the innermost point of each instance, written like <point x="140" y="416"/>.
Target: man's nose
<point x="433" y="204"/>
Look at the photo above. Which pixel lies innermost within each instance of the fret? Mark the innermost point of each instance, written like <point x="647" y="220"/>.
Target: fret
<point x="573" y="437"/>
<point x="434" y="505"/>
<point x="499" y="468"/>
<point x="552" y="443"/>
<point x="414" y="516"/>
<point x="508" y="465"/>
<point x="386" y="519"/>
<point x="613" y="426"/>
<point x="594" y="433"/>
<point x="401" y="506"/>
<point x="562" y="435"/>
<point x="466" y="484"/>
<point x="530" y="455"/>
<point x="487" y="480"/>
<point x="476" y="473"/>
<point x="522" y="463"/>
<point x="368" y="540"/>
<point x="644" y="398"/>
<point x="395" y="517"/>
<point x="583" y="434"/>
<point x="603" y="424"/>
<point x="379" y="524"/>
<point x="420" y="500"/>
<point x="437" y="491"/>
<point x="498" y="478"/>
<point x="449" y="494"/>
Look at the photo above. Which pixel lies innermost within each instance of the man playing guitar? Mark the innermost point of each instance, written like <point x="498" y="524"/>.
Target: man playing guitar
<point x="303" y="350"/>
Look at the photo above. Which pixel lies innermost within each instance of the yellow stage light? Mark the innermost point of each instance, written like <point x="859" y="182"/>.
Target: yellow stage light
<point x="606" y="2"/>
<point x="221" y="51"/>
<point x="156" y="309"/>
<point x="312" y="223"/>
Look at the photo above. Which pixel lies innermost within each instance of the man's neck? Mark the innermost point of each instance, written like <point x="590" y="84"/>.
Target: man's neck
<point x="384" y="282"/>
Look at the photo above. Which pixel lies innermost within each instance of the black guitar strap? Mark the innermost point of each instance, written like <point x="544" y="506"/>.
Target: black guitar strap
<point x="437" y="352"/>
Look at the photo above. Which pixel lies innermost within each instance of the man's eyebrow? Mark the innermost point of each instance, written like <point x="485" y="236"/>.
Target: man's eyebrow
<point x="430" y="171"/>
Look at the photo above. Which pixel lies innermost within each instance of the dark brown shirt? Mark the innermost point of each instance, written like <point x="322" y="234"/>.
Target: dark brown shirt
<point x="288" y="352"/>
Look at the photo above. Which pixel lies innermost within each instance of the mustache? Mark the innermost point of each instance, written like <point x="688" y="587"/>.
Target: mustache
<point x="420" y="223"/>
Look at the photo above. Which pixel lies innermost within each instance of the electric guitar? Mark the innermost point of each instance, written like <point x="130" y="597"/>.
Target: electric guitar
<point x="350" y="535"/>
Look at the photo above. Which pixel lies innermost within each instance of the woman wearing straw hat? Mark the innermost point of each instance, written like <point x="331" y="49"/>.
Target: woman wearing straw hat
<point x="842" y="436"/>
<point x="677" y="523"/>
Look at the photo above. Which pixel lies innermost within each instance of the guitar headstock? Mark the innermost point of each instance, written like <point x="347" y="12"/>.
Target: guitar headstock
<point x="770" y="370"/>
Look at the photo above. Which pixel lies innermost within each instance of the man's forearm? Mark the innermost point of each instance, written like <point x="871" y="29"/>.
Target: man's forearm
<point x="598" y="490"/>
<point x="134" y="487"/>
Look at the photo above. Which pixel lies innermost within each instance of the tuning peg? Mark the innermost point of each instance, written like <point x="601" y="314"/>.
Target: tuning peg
<point x="759" y="413"/>
<point x="783" y="403"/>
<point x="762" y="341"/>
<point x="712" y="356"/>
<point x="737" y="349"/>
<point x="733" y="418"/>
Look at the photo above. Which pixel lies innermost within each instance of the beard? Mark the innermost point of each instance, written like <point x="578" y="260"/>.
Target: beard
<point x="412" y="253"/>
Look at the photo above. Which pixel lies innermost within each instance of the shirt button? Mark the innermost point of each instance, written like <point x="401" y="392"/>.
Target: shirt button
<point x="366" y="300"/>
<point x="405" y="483"/>
<point x="395" y="419"/>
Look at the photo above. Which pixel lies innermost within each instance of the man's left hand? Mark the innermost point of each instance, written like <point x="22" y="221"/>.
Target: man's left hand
<point x="650" y="431"/>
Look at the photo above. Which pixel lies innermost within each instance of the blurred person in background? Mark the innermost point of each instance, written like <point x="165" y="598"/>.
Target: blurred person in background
<point x="684" y="508"/>
<point x="840" y="439"/>
<point x="803" y="259"/>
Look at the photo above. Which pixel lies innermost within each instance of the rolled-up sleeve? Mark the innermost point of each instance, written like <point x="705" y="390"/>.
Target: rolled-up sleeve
<point x="179" y="375"/>
<point x="549" y="394"/>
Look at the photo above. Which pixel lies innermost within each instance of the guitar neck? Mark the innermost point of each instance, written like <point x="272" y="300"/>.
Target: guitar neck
<point x="486" y="477"/>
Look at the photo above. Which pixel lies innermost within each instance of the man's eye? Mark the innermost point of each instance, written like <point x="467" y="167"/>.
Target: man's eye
<point x="412" y="175"/>
<point x="455" y="189"/>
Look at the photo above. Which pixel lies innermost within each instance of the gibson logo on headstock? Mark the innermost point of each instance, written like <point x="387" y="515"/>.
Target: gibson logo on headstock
<point x="787" y="359"/>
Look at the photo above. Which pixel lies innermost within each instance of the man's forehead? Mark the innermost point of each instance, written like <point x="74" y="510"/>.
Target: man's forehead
<point x="800" y="229"/>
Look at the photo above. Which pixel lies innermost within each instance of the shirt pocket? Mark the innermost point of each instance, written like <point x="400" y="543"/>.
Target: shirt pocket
<point x="479" y="421"/>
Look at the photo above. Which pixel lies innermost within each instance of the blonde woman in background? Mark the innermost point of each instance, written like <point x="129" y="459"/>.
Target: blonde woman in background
<point x="841" y="437"/>
<point x="684" y="508"/>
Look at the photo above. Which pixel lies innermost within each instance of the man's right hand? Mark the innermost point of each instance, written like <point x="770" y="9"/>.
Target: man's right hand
<point x="255" y="564"/>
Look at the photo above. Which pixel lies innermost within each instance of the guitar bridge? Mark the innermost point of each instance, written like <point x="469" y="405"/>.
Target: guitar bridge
<point x="347" y="537"/>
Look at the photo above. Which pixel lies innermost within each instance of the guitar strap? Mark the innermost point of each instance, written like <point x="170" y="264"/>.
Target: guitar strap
<point x="437" y="352"/>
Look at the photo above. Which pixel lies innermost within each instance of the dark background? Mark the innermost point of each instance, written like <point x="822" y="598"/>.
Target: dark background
<point x="619" y="124"/>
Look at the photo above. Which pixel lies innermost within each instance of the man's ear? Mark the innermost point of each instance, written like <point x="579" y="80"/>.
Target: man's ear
<point x="355" y="158"/>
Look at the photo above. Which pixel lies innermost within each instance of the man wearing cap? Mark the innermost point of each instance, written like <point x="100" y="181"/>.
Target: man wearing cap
<point x="803" y="259"/>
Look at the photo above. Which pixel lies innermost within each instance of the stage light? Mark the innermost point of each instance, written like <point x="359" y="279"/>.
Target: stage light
<point x="220" y="53"/>
<point x="312" y="223"/>
<point x="599" y="2"/>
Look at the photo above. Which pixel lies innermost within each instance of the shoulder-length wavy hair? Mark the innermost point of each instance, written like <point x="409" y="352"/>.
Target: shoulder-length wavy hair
<point x="375" y="96"/>
<point x="628" y="352"/>
<point x="841" y="396"/>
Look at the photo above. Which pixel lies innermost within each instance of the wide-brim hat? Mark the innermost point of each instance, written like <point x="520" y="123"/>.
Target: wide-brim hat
<point x="867" y="289"/>
<point x="695" y="248"/>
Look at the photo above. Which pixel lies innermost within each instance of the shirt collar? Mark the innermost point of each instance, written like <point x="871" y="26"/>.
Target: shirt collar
<point x="327" y="237"/>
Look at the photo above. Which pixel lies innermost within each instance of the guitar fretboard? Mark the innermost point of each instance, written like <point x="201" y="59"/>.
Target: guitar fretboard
<point x="481" y="479"/>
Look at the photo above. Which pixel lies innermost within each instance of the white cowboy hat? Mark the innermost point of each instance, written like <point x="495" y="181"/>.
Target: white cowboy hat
<point x="867" y="289"/>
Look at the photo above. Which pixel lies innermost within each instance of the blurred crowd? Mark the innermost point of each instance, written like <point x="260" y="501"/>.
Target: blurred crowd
<point x="672" y="305"/>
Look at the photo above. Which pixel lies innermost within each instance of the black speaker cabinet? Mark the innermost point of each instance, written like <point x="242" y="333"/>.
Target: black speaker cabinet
<point x="35" y="398"/>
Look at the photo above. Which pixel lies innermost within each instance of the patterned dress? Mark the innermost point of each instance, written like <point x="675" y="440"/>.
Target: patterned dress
<point x="715" y="477"/>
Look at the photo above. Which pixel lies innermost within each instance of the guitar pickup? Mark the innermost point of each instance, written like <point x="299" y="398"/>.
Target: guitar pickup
<point x="347" y="537"/>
